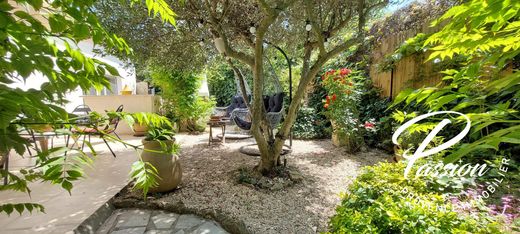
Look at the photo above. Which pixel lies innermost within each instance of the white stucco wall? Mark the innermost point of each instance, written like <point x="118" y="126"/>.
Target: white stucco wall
<point x="127" y="75"/>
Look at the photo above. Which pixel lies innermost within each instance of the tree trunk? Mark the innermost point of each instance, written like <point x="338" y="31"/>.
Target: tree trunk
<point x="270" y="158"/>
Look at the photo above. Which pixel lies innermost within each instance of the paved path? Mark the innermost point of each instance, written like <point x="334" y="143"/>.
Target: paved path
<point x="65" y="212"/>
<point x="139" y="221"/>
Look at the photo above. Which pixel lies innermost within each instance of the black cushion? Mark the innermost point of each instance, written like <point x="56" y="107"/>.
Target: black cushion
<point x="276" y="102"/>
<point x="266" y="102"/>
<point x="237" y="101"/>
<point x="241" y="103"/>
<point x="234" y="104"/>
<point x="242" y="123"/>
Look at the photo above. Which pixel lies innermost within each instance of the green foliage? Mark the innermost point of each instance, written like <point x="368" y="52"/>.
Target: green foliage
<point x="145" y="118"/>
<point x="340" y="102"/>
<point x="145" y="176"/>
<point x="412" y="46"/>
<point x="373" y="109"/>
<point x="159" y="134"/>
<point x="152" y="39"/>
<point x="381" y="200"/>
<point x="487" y="33"/>
<point x="179" y="91"/>
<point x="310" y="124"/>
<point x="221" y="83"/>
<point x="315" y="101"/>
<point x="161" y="8"/>
<point x="28" y="48"/>
<point x="21" y="207"/>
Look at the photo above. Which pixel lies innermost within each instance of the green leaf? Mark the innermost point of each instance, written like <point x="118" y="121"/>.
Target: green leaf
<point x="74" y="174"/>
<point x="81" y="31"/>
<point x="5" y="6"/>
<point x="58" y="23"/>
<point x="67" y="186"/>
<point x="401" y="96"/>
<point x="29" y="207"/>
<point x="36" y="4"/>
<point x="19" y="208"/>
<point x="7" y="208"/>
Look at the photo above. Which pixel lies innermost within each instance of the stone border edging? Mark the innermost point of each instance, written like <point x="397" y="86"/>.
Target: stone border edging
<point x="227" y="223"/>
<point x="98" y="218"/>
<point x="94" y="221"/>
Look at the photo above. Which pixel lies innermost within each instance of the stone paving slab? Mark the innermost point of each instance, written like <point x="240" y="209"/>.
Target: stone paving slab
<point x="141" y="221"/>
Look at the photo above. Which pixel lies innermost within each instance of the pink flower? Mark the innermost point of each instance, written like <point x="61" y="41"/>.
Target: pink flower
<point x="369" y="125"/>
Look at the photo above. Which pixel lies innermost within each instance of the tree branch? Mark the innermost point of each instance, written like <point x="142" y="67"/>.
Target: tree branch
<point x="315" y="27"/>
<point x="216" y="26"/>
<point x="241" y="82"/>
<point x="304" y="82"/>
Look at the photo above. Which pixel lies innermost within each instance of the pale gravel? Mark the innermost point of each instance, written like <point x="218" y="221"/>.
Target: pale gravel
<point x="209" y="183"/>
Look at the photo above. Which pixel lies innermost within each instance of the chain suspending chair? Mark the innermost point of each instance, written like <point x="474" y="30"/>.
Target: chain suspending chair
<point x="237" y="103"/>
<point x="273" y="104"/>
<point x="274" y="108"/>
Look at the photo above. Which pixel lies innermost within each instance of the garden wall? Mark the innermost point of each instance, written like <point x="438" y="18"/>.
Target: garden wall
<point x="410" y="72"/>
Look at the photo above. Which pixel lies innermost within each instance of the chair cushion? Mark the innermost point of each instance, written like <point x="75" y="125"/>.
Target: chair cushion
<point x="240" y="101"/>
<point x="266" y="102"/>
<point x="84" y="130"/>
<point x="276" y="102"/>
<point x="242" y="123"/>
<point x="232" y="106"/>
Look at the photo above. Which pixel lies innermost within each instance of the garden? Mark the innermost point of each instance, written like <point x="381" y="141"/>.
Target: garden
<point x="369" y="116"/>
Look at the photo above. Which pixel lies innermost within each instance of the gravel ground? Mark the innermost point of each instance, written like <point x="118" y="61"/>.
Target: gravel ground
<point x="209" y="183"/>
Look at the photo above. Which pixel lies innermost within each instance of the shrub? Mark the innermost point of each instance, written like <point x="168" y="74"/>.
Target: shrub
<point x="181" y="102"/>
<point x="341" y="108"/>
<point x="381" y="200"/>
<point x="315" y="103"/>
<point x="221" y="83"/>
<point x="374" y="109"/>
<point x="310" y="124"/>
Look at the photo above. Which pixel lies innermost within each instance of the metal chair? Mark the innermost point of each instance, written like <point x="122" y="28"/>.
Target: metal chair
<point x="81" y="112"/>
<point x="95" y="131"/>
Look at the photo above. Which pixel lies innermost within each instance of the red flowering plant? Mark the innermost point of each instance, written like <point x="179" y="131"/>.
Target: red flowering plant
<point x="340" y="107"/>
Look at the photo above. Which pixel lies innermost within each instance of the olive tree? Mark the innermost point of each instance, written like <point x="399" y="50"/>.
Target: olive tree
<point x="310" y="32"/>
<point x="246" y="26"/>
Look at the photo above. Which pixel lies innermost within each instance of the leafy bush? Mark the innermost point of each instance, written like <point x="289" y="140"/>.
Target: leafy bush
<point x="374" y="109"/>
<point x="481" y="88"/>
<point x="381" y="200"/>
<point x="221" y="83"/>
<point x="181" y="102"/>
<point x="484" y="86"/>
<point x="341" y="108"/>
<point x="315" y="103"/>
<point x="310" y="124"/>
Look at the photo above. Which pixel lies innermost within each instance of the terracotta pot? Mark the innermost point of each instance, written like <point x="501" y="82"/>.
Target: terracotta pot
<point x="139" y="129"/>
<point x="167" y="165"/>
<point x="339" y="139"/>
<point x="42" y="128"/>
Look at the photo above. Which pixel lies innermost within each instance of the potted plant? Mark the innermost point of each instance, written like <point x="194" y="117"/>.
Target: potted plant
<point x="140" y="126"/>
<point x="160" y="151"/>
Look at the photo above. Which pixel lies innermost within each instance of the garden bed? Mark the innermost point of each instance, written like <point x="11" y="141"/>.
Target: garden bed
<point x="210" y="187"/>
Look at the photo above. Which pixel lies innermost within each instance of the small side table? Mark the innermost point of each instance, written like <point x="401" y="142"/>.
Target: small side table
<point x="222" y="125"/>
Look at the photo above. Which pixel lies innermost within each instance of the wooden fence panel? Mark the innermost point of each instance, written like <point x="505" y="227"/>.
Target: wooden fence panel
<point x="410" y="72"/>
